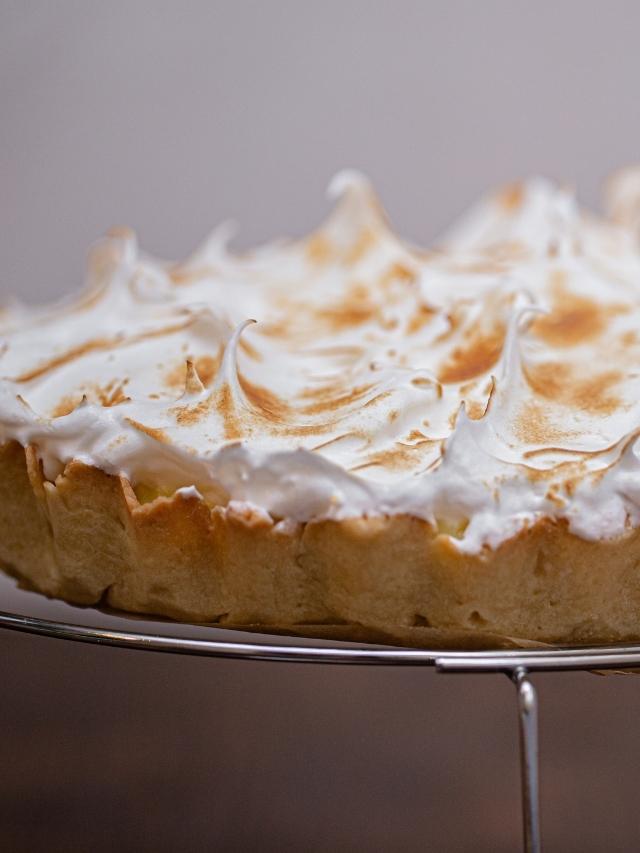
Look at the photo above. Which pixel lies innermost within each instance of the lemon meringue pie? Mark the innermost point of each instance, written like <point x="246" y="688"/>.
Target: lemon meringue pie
<point x="344" y="434"/>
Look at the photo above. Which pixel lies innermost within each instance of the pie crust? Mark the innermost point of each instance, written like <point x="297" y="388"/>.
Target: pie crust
<point x="88" y="540"/>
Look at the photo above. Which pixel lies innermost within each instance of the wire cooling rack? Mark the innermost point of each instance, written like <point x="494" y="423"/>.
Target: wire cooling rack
<point x="516" y="664"/>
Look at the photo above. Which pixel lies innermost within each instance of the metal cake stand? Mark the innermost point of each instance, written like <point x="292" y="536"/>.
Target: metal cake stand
<point x="517" y="665"/>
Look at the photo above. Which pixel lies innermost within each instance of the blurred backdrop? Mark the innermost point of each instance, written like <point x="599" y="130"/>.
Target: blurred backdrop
<point x="169" y="117"/>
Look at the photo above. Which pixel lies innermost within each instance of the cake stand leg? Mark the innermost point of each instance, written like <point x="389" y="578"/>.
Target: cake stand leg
<point x="528" y="719"/>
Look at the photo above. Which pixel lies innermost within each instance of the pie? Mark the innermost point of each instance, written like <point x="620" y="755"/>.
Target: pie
<point x="343" y="435"/>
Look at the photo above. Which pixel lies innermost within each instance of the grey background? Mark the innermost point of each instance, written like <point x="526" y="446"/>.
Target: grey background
<point x="171" y="117"/>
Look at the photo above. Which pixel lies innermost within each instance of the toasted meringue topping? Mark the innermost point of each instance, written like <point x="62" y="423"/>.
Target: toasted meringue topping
<point x="482" y="386"/>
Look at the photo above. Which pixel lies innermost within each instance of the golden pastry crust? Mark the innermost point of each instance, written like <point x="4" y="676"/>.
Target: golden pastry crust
<point x="87" y="539"/>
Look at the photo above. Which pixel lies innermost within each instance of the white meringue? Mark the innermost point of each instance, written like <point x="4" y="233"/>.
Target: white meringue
<point x="482" y="386"/>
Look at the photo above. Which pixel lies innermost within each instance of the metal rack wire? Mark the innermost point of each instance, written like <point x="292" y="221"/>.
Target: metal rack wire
<point x="516" y="664"/>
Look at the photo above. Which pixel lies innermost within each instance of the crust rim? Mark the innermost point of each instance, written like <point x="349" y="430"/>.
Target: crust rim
<point x="87" y="539"/>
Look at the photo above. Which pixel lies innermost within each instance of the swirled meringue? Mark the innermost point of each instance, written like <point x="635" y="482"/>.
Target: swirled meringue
<point x="482" y="385"/>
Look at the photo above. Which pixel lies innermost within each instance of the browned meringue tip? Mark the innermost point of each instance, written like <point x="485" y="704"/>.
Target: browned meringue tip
<point x="121" y="232"/>
<point x="193" y="383"/>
